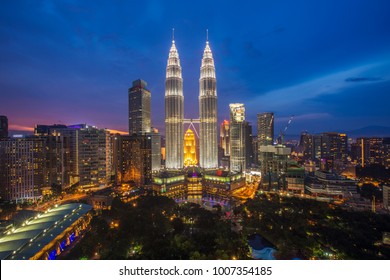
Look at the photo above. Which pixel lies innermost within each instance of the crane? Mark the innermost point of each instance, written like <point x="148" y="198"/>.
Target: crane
<point x="283" y="133"/>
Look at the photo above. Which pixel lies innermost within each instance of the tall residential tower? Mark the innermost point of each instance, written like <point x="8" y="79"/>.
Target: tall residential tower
<point x="208" y="111"/>
<point x="174" y="111"/>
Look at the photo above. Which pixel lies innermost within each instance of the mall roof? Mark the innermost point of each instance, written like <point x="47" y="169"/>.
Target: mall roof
<point x="26" y="241"/>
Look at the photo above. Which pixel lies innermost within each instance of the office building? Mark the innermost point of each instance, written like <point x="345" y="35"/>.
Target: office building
<point x="174" y="111"/>
<point x="265" y="129"/>
<point x="273" y="165"/>
<point x="156" y="149"/>
<point x="224" y="136"/>
<point x="330" y="185"/>
<point x="208" y="141"/>
<point x="371" y="150"/>
<point x="237" y="137"/>
<point x="249" y="156"/>
<point x="139" y="108"/>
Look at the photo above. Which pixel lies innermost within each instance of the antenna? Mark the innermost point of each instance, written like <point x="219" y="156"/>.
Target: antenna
<point x="173" y="34"/>
<point x="207" y="35"/>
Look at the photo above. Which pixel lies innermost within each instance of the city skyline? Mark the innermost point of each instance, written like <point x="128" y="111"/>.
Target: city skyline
<point x="60" y="64"/>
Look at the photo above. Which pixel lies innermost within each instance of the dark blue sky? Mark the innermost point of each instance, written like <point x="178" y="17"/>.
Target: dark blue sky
<point x="326" y="62"/>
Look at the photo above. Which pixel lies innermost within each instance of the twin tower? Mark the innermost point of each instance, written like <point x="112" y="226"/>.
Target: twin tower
<point x="174" y="112"/>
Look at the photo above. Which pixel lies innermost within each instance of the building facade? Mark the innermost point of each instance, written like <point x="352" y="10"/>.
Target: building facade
<point x="139" y="108"/>
<point x="386" y="197"/>
<point x="22" y="166"/>
<point x="265" y="129"/>
<point x="273" y="165"/>
<point x="237" y="137"/>
<point x="208" y="112"/>
<point x="174" y="111"/>
<point x="156" y="149"/>
<point x="371" y="150"/>
<point x="224" y="136"/>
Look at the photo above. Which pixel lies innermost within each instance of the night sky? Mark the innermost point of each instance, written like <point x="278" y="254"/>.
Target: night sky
<point x="326" y="62"/>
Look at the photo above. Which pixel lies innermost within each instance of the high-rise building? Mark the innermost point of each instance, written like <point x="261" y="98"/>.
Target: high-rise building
<point x="371" y="150"/>
<point x="22" y="166"/>
<point x="91" y="151"/>
<point x="56" y="161"/>
<point x="248" y="145"/>
<point x="306" y="142"/>
<point x="255" y="149"/>
<point x="237" y="137"/>
<point x="139" y="108"/>
<point x="58" y="164"/>
<point x="208" y="142"/>
<point x="90" y="155"/>
<point x="386" y="197"/>
<point x="156" y="149"/>
<point x="189" y="148"/>
<point x="3" y="127"/>
<point x="133" y="159"/>
<point x="334" y="146"/>
<point x="265" y="129"/>
<point x="224" y="136"/>
<point x="174" y="111"/>
<point x="273" y="161"/>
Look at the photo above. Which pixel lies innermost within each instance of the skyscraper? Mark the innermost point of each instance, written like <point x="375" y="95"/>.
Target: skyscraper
<point x="248" y="145"/>
<point x="174" y="111"/>
<point x="237" y="137"/>
<point x="334" y="146"/>
<point x="208" y="111"/>
<point x="265" y="128"/>
<point x="3" y="127"/>
<point x="139" y="108"/>
<point x="224" y="136"/>
<point x="156" y="149"/>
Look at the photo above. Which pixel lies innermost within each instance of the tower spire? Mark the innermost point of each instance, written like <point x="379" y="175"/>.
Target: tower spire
<point x="173" y="35"/>
<point x="207" y="35"/>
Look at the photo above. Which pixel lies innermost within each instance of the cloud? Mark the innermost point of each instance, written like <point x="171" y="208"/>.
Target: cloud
<point x="293" y="96"/>
<point x="20" y="127"/>
<point x="304" y="117"/>
<point x="363" y="79"/>
<point x="251" y="51"/>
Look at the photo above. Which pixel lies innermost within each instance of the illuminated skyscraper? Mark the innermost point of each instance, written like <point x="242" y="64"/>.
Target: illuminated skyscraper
<point x="265" y="128"/>
<point x="156" y="149"/>
<point x="237" y="137"/>
<point x="139" y="108"/>
<point x="189" y="148"/>
<point x="174" y="111"/>
<point x="224" y="136"/>
<point x="208" y="111"/>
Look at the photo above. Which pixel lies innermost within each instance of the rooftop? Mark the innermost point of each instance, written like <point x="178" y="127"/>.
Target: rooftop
<point x="26" y="241"/>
